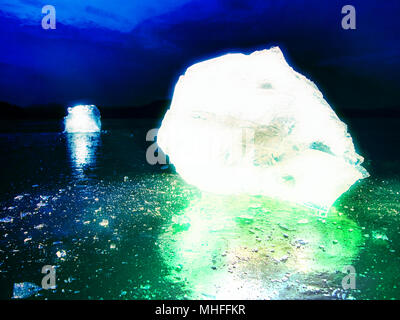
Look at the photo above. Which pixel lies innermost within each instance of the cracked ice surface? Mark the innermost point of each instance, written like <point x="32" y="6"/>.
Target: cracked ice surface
<point x="251" y="124"/>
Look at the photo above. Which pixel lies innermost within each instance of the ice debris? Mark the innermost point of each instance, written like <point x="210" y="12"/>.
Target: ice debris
<point x="24" y="290"/>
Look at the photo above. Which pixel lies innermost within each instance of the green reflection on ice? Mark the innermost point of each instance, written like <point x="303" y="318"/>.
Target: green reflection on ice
<point x="228" y="247"/>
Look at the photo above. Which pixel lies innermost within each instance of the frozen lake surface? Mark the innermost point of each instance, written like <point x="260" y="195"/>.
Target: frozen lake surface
<point x="116" y="227"/>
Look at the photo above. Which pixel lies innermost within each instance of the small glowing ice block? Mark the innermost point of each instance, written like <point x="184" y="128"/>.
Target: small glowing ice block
<point x="250" y="124"/>
<point x="82" y="118"/>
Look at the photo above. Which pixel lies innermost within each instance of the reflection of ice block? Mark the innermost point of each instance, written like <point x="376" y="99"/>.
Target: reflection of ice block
<point x="82" y="118"/>
<point x="251" y="124"/>
<point x="82" y="148"/>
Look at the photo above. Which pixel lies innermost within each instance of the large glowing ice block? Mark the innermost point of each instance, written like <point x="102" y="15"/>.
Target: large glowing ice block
<point x="82" y="118"/>
<point x="251" y="124"/>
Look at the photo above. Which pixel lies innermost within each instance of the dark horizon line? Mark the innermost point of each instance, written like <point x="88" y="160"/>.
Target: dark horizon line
<point x="59" y="110"/>
<point x="154" y="109"/>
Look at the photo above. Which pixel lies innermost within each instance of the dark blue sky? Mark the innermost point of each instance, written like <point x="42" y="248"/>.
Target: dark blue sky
<point x="121" y="53"/>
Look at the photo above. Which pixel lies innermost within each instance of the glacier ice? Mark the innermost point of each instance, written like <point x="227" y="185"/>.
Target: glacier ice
<point x="82" y="118"/>
<point x="251" y="124"/>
